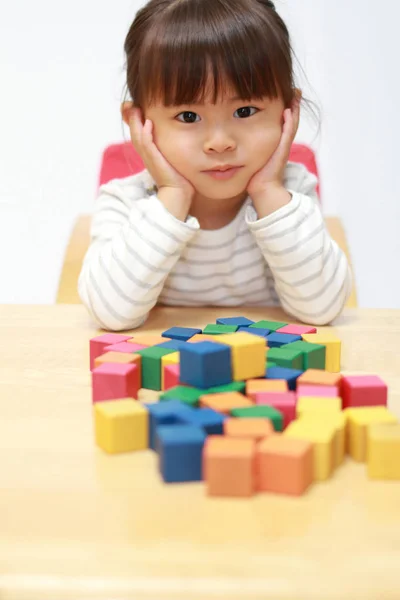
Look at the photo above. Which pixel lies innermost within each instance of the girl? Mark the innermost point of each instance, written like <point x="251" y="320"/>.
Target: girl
<point x="219" y="216"/>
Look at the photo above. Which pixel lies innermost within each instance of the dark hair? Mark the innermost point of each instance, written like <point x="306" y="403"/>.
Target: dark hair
<point x="173" y="46"/>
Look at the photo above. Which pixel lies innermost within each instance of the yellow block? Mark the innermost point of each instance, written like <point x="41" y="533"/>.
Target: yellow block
<point x="323" y="437"/>
<point x="318" y="404"/>
<point x="333" y="348"/>
<point x="358" y="421"/>
<point x="248" y="354"/>
<point x="383" y="451"/>
<point x="121" y="425"/>
<point x="337" y="420"/>
<point x="168" y="359"/>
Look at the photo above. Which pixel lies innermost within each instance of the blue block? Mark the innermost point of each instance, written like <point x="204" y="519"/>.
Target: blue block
<point x="180" y="450"/>
<point x="164" y="413"/>
<point x="255" y="331"/>
<point x="172" y="345"/>
<point x="276" y="340"/>
<point x="205" y="364"/>
<point x="180" y="333"/>
<point x="210" y="420"/>
<point x="241" y="321"/>
<point x="290" y="375"/>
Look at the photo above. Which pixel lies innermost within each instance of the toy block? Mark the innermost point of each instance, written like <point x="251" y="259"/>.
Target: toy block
<point x="176" y="345"/>
<point x="117" y="357"/>
<point x="113" y="380"/>
<point x="358" y="421"/>
<point x="383" y="454"/>
<point x="248" y="354"/>
<point x="121" y="426"/>
<point x="170" y="377"/>
<point x="261" y="411"/>
<point x="180" y="333"/>
<point x="250" y="428"/>
<point x="255" y="386"/>
<point x="124" y="347"/>
<point x="164" y="413"/>
<point x="339" y="421"/>
<point x="276" y="340"/>
<point x="205" y="364"/>
<point x="325" y="404"/>
<point x="271" y="325"/>
<point x="97" y="344"/>
<point x="314" y="355"/>
<point x="238" y="321"/>
<point x="166" y="360"/>
<point x="256" y="331"/>
<point x="297" y="329"/>
<point x="215" y="329"/>
<point x="210" y="420"/>
<point x="225" y="402"/>
<point x="289" y="375"/>
<point x="147" y="339"/>
<point x="180" y="451"/>
<point x="303" y="389"/>
<point x="151" y="365"/>
<point x="333" y="348"/>
<point x="185" y="394"/>
<point x="363" y="390"/>
<point x="323" y="437"/>
<point x="284" y="402"/>
<point x="284" y="357"/>
<point x="200" y="337"/>
<point x="270" y="364"/>
<point x="229" y="466"/>
<point x="318" y="377"/>
<point x="234" y="386"/>
<point x="284" y="465"/>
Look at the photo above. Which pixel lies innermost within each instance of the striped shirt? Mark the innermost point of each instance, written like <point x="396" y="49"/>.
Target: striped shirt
<point x="141" y="255"/>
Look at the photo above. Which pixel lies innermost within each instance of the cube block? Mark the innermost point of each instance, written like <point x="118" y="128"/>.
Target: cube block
<point x="358" y="421"/>
<point x="205" y="364"/>
<point x="255" y="386"/>
<point x="211" y="421"/>
<point x="266" y="412"/>
<point x="164" y="413"/>
<point x="252" y="428"/>
<point x="323" y="437"/>
<point x="121" y="426"/>
<point x="284" y="402"/>
<point x="98" y="343"/>
<point x="229" y="466"/>
<point x="180" y="451"/>
<point x="363" y="390"/>
<point x="114" y="380"/>
<point x="180" y="333"/>
<point x="325" y="404"/>
<point x="383" y="455"/>
<point x="247" y="354"/>
<point x="224" y="403"/>
<point x="289" y="375"/>
<point x="333" y="347"/>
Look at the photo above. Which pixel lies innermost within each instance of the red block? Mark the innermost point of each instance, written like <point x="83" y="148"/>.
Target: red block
<point x="363" y="390"/>
<point x="100" y="342"/>
<point x="126" y="347"/>
<point x="112" y="381"/>
<point x="285" y="402"/>
<point x="171" y="376"/>
<point x="330" y="391"/>
<point x="297" y="329"/>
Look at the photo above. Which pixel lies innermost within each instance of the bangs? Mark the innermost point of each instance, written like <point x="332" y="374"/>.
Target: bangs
<point x="198" y="52"/>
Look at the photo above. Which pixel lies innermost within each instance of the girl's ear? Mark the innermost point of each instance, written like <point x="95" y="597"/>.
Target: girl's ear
<point x="126" y="111"/>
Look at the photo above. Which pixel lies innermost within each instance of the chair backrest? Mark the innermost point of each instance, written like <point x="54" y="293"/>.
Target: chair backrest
<point x="122" y="160"/>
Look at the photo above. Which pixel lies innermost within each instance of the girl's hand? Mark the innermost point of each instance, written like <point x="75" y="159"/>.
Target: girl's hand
<point x="271" y="175"/>
<point x="159" y="168"/>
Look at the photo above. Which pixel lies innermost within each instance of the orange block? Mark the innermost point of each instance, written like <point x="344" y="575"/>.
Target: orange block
<point x="225" y="401"/>
<point x="229" y="466"/>
<point x="148" y="339"/>
<point x="253" y="386"/>
<point x="202" y="337"/>
<point x="123" y="359"/>
<point x="319" y="377"/>
<point x="284" y="465"/>
<point x="252" y="428"/>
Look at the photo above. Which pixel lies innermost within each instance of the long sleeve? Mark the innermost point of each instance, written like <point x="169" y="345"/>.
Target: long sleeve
<point x="311" y="273"/>
<point x="135" y="243"/>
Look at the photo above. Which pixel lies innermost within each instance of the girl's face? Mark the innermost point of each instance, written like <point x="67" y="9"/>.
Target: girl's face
<point x="194" y="138"/>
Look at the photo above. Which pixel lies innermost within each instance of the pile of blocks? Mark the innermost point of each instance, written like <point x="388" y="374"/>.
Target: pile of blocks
<point x="245" y="406"/>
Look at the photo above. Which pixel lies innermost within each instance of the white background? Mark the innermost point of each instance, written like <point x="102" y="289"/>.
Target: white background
<point x="62" y="81"/>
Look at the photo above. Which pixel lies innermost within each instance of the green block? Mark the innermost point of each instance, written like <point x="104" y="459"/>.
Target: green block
<point x="285" y="357"/>
<point x="313" y="354"/>
<point x="270" y="364"/>
<point x="235" y="386"/>
<point x="151" y="366"/>
<point x="186" y="394"/>
<point x="216" y="329"/>
<point x="265" y="412"/>
<point x="272" y="325"/>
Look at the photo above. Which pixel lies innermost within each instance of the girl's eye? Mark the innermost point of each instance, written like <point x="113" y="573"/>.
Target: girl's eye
<point x="190" y="117"/>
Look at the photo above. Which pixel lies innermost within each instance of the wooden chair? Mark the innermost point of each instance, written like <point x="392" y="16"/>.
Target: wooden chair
<point x="121" y="160"/>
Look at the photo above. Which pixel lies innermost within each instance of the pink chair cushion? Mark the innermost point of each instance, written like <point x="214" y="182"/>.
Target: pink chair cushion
<point x="122" y="160"/>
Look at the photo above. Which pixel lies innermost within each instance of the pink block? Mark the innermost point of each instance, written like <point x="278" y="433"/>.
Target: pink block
<point x="125" y="347"/>
<point x="112" y="381"/>
<point x="171" y="376"/>
<point x="283" y="401"/>
<point x="330" y="391"/>
<point x="100" y="342"/>
<point x="297" y="329"/>
<point x="363" y="390"/>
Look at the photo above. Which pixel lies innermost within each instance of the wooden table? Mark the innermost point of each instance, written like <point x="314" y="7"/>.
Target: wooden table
<point x="76" y="523"/>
